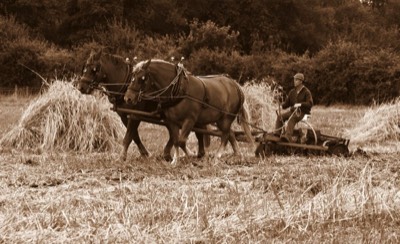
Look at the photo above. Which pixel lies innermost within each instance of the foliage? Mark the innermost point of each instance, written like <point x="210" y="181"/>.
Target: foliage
<point x="22" y="56"/>
<point x="208" y="35"/>
<point x="118" y="37"/>
<point x="353" y="42"/>
<point x="345" y="72"/>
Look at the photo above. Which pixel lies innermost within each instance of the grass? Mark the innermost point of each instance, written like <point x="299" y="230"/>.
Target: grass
<point x="70" y="197"/>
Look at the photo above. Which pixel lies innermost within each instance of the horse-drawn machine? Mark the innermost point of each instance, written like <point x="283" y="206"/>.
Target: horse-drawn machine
<point x="309" y="141"/>
<point x="305" y="140"/>
<point x="163" y="93"/>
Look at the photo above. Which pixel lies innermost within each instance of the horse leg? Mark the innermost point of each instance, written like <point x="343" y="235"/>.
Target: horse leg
<point x="136" y="138"/>
<point x="133" y="133"/>
<point x="125" y="141"/>
<point x="222" y="146"/>
<point x="174" y="134"/>
<point x="200" y="138"/>
<point x="168" y="147"/>
<point x="233" y="142"/>
<point x="227" y="134"/>
<point x="184" y="134"/>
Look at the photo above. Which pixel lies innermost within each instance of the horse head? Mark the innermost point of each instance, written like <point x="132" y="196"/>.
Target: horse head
<point x="139" y="82"/>
<point x="92" y="73"/>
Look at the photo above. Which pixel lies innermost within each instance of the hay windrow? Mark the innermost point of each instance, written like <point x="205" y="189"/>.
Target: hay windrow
<point x="378" y="124"/>
<point x="64" y="119"/>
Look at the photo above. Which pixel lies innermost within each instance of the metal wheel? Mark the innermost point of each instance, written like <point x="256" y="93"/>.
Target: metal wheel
<point x="339" y="150"/>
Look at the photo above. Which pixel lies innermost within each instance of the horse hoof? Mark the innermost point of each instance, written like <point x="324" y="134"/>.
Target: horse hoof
<point x="167" y="158"/>
<point x="201" y="155"/>
<point x="174" y="162"/>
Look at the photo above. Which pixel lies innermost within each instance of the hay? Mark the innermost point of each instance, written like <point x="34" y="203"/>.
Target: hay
<point x="378" y="124"/>
<point x="260" y="105"/>
<point x="64" y="119"/>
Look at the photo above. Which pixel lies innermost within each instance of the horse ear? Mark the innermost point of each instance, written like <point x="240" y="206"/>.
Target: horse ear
<point x="92" y="53"/>
<point x="147" y="64"/>
<point x="98" y="54"/>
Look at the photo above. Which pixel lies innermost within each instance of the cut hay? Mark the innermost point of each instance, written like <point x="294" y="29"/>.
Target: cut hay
<point x="260" y="105"/>
<point x="379" y="124"/>
<point x="64" y="119"/>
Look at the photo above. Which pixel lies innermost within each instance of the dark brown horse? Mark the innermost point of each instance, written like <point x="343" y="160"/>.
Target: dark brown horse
<point x="112" y="74"/>
<point x="190" y="101"/>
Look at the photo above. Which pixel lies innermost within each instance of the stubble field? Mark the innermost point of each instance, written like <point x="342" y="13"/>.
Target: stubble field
<point x="69" y="197"/>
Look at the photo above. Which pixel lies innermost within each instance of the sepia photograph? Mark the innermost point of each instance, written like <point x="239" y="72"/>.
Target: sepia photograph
<point x="201" y="121"/>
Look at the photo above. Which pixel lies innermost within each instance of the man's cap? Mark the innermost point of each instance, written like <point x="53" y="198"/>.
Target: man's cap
<point x="299" y="76"/>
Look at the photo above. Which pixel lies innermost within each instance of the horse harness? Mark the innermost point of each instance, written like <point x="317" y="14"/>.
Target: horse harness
<point x="177" y="89"/>
<point x="178" y="93"/>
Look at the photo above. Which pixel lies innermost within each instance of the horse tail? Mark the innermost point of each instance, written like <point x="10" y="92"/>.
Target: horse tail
<point x="243" y="115"/>
<point x="243" y="120"/>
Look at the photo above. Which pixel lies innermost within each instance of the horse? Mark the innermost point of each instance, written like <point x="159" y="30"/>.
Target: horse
<point x="112" y="74"/>
<point x="190" y="101"/>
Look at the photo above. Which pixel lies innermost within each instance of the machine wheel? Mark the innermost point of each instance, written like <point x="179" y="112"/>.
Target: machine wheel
<point x="339" y="150"/>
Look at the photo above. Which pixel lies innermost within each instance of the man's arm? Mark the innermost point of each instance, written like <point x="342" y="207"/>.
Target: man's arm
<point x="308" y="103"/>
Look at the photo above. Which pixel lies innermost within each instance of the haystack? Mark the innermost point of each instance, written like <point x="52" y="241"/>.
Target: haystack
<point x="260" y="105"/>
<point x="380" y="123"/>
<point x="64" y="119"/>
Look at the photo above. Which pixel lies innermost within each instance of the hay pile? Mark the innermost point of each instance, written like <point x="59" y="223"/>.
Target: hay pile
<point x="379" y="124"/>
<point x="64" y="119"/>
<point x="260" y="105"/>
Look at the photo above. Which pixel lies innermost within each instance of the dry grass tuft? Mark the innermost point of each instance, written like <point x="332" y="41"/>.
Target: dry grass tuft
<point x="378" y="124"/>
<point x="64" y="119"/>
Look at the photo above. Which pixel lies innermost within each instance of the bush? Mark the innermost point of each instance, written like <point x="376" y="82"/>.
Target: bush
<point x="10" y="30"/>
<point x="285" y="66"/>
<point x="160" y="47"/>
<point x="240" y="67"/>
<point x="118" y="37"/>
<point x="345" y="72"/>
<point x="208" y="36"/>
<point x="21" y="56"/>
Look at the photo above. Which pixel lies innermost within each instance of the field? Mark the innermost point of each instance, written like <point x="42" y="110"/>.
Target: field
<point x="72" y="197"/>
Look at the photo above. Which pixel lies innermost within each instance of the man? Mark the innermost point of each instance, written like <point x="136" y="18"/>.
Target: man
<point x="300" y="102"/>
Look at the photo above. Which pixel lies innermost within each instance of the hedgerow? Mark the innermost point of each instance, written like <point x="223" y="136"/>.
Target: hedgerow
<point x="342" y="72"/>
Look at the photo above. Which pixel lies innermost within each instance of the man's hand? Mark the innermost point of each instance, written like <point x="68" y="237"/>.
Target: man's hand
<point x="297" y="105"/>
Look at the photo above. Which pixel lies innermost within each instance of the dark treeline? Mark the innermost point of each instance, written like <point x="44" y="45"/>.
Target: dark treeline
<point x="348" y="49"/>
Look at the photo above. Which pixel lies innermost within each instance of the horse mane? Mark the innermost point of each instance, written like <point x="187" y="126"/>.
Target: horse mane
<point x="116" y="59"/>
<point x="140" y="65"/>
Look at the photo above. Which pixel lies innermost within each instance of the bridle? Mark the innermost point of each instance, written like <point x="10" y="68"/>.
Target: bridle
<point x="94" y="83"/>
<point x="98" y="83"/>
